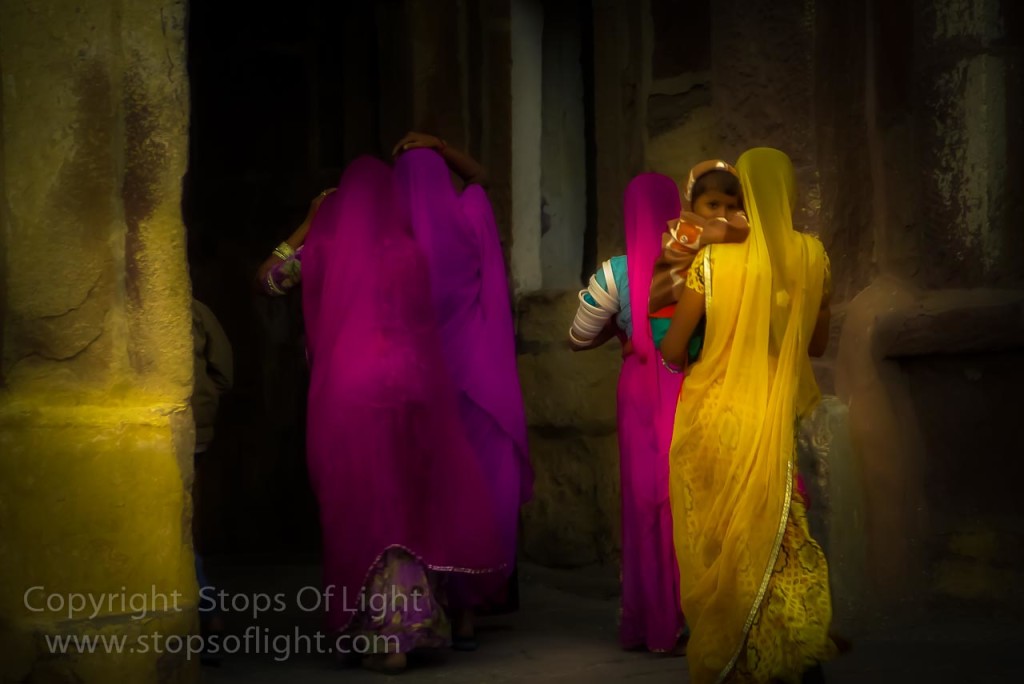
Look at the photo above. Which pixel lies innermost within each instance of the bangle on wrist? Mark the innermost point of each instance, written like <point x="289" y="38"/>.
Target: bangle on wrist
<point x="284" y="251"/>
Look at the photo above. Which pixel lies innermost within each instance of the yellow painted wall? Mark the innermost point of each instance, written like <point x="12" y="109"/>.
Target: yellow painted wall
<point x="96" y="434"/>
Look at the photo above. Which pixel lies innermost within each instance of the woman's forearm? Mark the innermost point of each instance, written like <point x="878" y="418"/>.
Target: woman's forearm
<point x="468" y="169"/>
<point x="689" y="311"/>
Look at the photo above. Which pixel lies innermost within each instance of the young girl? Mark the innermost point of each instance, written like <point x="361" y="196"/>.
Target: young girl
<point x="646" y="400"/>
<point x="712" y="213"/>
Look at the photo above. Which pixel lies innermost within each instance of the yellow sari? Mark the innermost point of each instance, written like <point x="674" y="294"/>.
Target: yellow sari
<point x="754" y="584"/>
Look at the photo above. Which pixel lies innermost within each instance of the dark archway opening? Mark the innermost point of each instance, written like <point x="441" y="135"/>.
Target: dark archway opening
<point x="282" y="99"/>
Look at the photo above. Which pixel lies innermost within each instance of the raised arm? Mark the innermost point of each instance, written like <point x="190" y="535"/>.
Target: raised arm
<point x="595" y="323"/>
<point x="468" y="169"/>
<point x="284" y="254"/>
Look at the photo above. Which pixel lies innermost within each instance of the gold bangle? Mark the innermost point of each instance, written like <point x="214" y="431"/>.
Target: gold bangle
<point x="284" y="251"/>
<point x="675" y="370"/>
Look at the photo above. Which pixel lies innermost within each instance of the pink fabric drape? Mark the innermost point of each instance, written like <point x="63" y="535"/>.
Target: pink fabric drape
<point x="647" y="396"/>
<point x="388" y="455"/>
<point x="471" y="299"/>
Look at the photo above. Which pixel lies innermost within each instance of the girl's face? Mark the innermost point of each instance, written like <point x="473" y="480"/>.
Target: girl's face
<point x="715" y="204"/>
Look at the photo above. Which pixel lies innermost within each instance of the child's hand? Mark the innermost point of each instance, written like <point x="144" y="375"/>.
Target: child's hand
<point x="719" y="230"/>
<point x="737" y="229"/>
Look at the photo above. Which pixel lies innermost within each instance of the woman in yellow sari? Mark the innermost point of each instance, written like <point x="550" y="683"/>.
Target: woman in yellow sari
<point x="754" y="584"/>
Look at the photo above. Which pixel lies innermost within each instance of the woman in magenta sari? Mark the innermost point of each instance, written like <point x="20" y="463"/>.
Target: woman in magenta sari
<point x="647" y="397"/>
<point x="471" y="299"/>
<point x="402" y="494"/>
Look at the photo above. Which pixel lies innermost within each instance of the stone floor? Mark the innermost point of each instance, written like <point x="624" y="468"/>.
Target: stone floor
<point x="565" y="632"/>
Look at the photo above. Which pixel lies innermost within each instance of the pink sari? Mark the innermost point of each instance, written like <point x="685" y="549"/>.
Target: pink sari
<point x="388" y="457"/>
<point x="471" y="299"/>
<point x="647" y="397"/>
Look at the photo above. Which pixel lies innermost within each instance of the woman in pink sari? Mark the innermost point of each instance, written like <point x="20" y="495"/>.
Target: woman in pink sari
<point x="402" y="494"/>
<point x="471" y="299"/>
<point x="647" y="397"/>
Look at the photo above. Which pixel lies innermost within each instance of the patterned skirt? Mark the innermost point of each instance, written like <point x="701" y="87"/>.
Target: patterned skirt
<point x="789" y="634"/>
<point x="400" y="608"/>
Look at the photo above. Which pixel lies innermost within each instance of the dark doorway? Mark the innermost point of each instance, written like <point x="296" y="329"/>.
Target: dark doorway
<point x="282" y="99"/>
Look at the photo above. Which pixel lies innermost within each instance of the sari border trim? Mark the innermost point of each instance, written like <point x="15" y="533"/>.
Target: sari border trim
<point x="706" y="263"/>
<point x="769" y="571"/>
<point x="351" y="614"/>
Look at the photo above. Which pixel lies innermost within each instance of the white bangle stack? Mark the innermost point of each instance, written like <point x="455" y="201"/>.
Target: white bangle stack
<point x="591" y="319"/>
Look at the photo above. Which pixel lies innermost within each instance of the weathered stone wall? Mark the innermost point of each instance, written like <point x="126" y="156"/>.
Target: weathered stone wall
<point x="967" y="71"/>
<point x="681" y="124"/>
<point x="570" y="409"/>
<point x="95" y="431"/>
<point x="929" y="161"/>
<point x="762" y="86"/>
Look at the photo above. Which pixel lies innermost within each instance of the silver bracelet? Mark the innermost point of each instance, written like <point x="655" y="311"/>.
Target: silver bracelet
<point x="272" y="287"/>
<point x="669" y="367"/>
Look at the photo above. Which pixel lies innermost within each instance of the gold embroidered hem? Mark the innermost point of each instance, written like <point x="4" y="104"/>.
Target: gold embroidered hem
<point x="769" y="572"/>
<point x="790" y="631"/>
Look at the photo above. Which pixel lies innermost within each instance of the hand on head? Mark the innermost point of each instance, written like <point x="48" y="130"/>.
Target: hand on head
<point x="413" y="140"/>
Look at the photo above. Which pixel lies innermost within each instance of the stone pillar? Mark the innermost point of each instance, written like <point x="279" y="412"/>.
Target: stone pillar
<point x="564" y="160"/>
<point x="967" y="79"/>
<point x="527" y="21"/>
<point x="95" y="430"/>
<point x="621" y="72"/>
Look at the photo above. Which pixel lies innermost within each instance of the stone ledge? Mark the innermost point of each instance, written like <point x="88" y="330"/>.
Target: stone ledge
<point x="953" y="322"/>
<point x="126" y="650"/>
<point x="94" y="509"/>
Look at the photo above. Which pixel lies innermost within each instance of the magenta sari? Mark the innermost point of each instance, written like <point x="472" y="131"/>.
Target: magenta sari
<point x="471" y="299"/>
<point x="388" y="457"/>
<point x="647" y="397"/>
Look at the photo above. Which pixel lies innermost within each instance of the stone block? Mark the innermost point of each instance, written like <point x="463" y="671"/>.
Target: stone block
<point x="573" y="519"/>
<point x="561" y="387"/>
<point x="93" y="508"/>
<point x="686" y="142"/>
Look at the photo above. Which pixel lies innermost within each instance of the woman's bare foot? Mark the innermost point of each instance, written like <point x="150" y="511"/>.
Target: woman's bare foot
<point x="386" y="663"/>
<point x="464" y="632"/>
